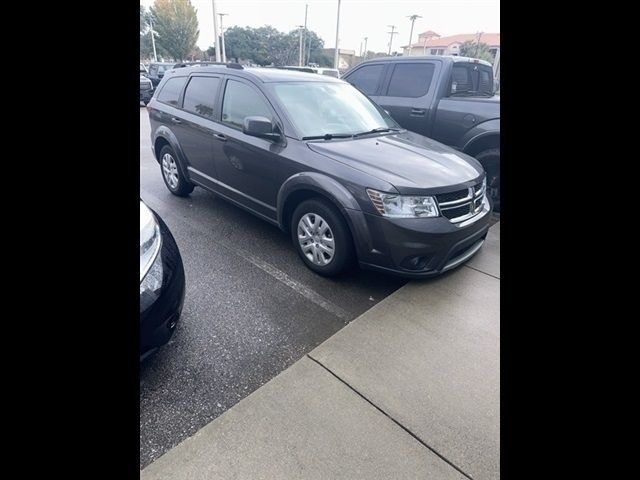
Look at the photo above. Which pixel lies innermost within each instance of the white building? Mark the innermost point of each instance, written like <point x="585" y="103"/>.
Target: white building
<point x="430" y="43"/>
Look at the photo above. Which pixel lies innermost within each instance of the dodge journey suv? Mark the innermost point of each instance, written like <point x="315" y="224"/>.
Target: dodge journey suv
<point x="314" y="156"/>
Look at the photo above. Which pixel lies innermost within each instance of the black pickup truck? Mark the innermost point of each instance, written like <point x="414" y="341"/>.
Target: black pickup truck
<point x="447" y="98"/>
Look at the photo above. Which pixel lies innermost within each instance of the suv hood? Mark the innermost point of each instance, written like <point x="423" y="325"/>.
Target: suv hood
<point x="408" y="161"/>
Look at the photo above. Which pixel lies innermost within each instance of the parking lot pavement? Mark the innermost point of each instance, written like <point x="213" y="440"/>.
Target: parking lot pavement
<point x="411" y="389"/>
<point x="251" y="310"/>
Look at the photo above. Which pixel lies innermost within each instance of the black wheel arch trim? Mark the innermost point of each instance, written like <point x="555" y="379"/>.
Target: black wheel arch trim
<point x="338" y="194"/>
<point x="482" y="131"/>
<point x="167" y="135"/>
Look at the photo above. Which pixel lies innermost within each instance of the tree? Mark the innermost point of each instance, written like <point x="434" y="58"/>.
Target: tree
<point x="473" y="49"/>
<point x="266" y="45"/>
<point x="146" y="47"/>
<point x="176" y="24"/>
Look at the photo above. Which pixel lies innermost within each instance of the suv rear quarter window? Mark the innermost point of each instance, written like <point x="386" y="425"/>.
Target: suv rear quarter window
<point x="170" y="93"/>
<point x="410" y="80"/>
<point x="367" y="78"/>
<point x="200" y="96"/>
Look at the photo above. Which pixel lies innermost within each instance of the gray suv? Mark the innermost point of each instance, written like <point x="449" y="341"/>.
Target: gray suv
<point x="315" y="157"/>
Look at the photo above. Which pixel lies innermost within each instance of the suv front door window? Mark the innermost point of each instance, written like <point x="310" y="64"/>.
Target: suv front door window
<point x="247" y="166"/>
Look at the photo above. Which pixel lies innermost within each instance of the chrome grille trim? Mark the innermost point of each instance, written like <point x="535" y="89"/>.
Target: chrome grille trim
<point x="472" y="197"/>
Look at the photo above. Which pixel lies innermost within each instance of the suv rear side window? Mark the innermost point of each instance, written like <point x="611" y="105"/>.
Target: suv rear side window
<point x="367" y="78"/>
<point x="170" y="93"/>
<point x="410" y="80"/>
<point x="200" y="95"/>
<point x="241" y="101"/>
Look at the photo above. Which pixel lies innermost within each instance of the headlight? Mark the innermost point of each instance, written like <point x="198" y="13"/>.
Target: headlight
<point x="150" y="258"/>
<point x="403" y="206"/>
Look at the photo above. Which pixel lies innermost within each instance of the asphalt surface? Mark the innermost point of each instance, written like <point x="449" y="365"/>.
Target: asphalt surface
<point x="251" y="310"/>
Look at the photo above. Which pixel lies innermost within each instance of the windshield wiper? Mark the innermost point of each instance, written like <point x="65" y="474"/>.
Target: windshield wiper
<point x="377" y="130"/>
<point x="327" y="136"/>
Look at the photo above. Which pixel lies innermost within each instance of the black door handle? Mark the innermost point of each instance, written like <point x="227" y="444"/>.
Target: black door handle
<point x="418" y="111"/>
<point x="220" y="137"/>
<point x="175" y="120"/>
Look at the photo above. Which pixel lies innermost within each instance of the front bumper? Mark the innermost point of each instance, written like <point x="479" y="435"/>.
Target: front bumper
<point x="158" y="321"/>
<point x="421" y="247"/>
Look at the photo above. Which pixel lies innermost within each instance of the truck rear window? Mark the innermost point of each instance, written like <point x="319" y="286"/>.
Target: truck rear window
<point x="470" y="78"/>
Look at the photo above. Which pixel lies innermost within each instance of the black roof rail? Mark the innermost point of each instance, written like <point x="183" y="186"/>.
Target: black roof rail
<point x="237" y="66"/>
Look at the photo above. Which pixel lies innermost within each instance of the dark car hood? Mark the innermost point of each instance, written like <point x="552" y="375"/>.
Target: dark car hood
<point x="406" y="160"/>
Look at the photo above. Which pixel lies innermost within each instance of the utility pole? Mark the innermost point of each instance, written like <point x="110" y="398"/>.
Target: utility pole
<point x="478" y="44"/>
<point x="336" y="55"/>
<point x="304" y="38"/>
<point x="360" y="55"/>
<point x="224" y="53"/>
<point x="413" y="19"/>
<point x="365" y="49"/>
<point x="153" y="41"/>
<point x="300" y="51"/>
<point x="215" y="31"/>
<point x="391" y="34"/>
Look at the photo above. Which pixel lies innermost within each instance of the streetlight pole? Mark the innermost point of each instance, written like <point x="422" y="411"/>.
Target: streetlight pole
<point x="365" y="49"/>
<point x="153" y="41"/>
<point x="215" y="31"/>
<point x="224" y="53"/>
<point x="304" y="37"/>
<point x="300" y="51"/>
<point x="391" y="34"/>
<point x="336" y="53"/>
<point x="413" y="19"/>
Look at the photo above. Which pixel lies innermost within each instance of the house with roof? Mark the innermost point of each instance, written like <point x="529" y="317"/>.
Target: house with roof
<point x="430" y="43"/>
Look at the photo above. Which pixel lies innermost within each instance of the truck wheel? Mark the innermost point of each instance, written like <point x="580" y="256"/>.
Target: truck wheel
<point x="490" y="160"/>
<point x="322" y="237"/>
<point x="171" y="174"/>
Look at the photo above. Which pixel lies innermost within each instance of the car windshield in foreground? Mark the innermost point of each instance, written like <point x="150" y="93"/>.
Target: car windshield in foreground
<point x="331" y="110"/>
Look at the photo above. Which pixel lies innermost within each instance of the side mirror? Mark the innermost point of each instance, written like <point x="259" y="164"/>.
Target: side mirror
<point x="260" y="127"/>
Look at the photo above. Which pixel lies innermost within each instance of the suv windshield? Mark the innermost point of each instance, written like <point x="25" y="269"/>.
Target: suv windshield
<point x="333" y="109"/>
<point x="471" y="79"/>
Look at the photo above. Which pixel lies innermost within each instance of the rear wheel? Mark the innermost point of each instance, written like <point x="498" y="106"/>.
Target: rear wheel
<point x="322" y="238"/>
<point x="490" y="160"/>
<point x="175" y="181"/>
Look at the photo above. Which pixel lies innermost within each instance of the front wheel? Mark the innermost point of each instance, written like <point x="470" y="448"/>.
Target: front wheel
<point x="322" y="238"/>
<point x="490" y="160"/>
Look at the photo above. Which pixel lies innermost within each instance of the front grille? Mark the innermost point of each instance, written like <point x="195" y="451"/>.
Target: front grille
<point x="452" y="213"/>
<point x="145" y="86"/>
<point x="461" y="204"/>
<point x="452" y="196"/>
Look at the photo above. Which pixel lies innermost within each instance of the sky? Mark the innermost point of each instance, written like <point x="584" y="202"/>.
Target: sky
<point x="358" y="19"/>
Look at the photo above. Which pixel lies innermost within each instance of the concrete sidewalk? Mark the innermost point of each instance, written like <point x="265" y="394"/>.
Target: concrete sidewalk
<point x="410" y="389"/>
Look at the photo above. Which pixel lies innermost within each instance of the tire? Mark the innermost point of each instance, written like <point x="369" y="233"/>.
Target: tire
<point x="177" y="183"/>
<point x="320" y="212"/>
<point x="490" y="160"/>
